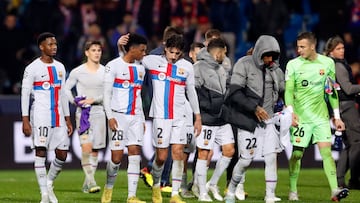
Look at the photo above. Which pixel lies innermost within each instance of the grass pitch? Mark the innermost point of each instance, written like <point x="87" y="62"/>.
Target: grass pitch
<point x="20" y="186"/>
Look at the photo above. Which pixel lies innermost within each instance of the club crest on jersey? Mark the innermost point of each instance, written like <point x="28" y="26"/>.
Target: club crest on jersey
<point x="162" y="76"/>
<point x="181" y="71"/>
<point x="46" y="85"/>
<point x="322" y="72"/>
<point x="60" y="74"/>
<point x="141" y="75"/>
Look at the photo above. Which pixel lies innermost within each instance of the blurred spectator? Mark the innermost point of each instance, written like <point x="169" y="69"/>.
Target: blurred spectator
<point x="270" y="17"/>
<point x="88" y="14"/>
<point x="331" y="20"/>
<point x="224" y="15"/>
<point x="128" y="25"/>
<point x="352" y="53"/>
<point x="65" y="22"/>
<point x="35" y="17"/>
<point x="14" y="39"/>
<point x="93" y="33"/>
<point x="198" y="33"/>
<point x="109" y="13"/>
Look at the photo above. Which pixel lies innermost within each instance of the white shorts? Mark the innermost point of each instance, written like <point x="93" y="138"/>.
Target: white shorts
<point x="190" y="141"/>
<point x="263" y="140"/>
<point x="130" y="131"/>
<point x="168" y="131"/>
<point x="209" y="135"/>
<point x="50" y="137"/>
<point x="97" y="131"/>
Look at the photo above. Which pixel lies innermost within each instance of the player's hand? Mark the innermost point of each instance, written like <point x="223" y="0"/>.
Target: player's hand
<point x="69" y="125"/>
<point x="113" y="124"/>
<point x="123" y="40"/>
<point x="26" y="126"/>
<point x="339" y="124"/>
<point x="295" y="120"/>
<point x="87" y="101"/>
<point x="197" y="125"/>
<point x="261" y="114"/>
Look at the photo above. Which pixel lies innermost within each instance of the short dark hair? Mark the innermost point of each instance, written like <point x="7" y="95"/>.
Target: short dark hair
<point x="175" y="41"/>
<point x="331" y="44"/>
<point x="195" y="45"/>
<point x="134" y="40"/>
<point x="212" y="33"/>
<point x="88" y="44"/>
<point x="216" y="43"/>
<point x="307" y="35"/>
<point x="43" y="36"/>
<point x="170" y="30"/>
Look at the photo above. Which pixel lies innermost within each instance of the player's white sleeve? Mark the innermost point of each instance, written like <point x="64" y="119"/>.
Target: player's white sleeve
<point x="64" y="99"/>
<point x="108" y="86"/>
<point x="70" y="83"/>
<point x="191" y="92"/>
<point x="26" y="87"/>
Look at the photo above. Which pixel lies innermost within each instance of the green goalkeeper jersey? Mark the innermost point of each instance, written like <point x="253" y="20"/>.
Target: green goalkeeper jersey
<point x="305" y="88"/>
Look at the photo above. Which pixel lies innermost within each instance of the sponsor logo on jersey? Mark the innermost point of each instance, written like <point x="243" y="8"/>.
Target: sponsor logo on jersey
<point x="46" y="85"/>
<point x="304" y="83"/>
<point x="126" y="84"/>
<point x="162" y="76"/>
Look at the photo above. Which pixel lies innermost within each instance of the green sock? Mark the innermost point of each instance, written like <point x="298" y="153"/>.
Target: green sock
<point x="294" y="168"/>
<point x="329" y="167"/>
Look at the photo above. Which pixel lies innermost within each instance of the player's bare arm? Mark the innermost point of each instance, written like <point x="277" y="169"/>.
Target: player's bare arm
<point x="26" y="126"/>
<point x="197" y="124"/>
<point x="113" y="124"/>
<point x="69" y="125"/>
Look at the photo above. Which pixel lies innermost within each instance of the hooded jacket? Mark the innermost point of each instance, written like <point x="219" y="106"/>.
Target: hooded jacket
<point x="210" y="84"/>
<point x="252" y="84"/>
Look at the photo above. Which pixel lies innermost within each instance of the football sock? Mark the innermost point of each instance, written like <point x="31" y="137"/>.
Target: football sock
<point x="40" y="171"/>
<point x="183" y="180"/>
<point x="156" y="173"/>
<point x="294" y="168"/>
<point x="55" y="169"/>
<point x="177" y="169"/>
<point x="238" y="173"/>
<point x="329" y="167"/>
<point x="87" y="168"/>
<point x="201" y="171"/>
<point x="111" y="170"/>
<point x="133" y="172"/>
<point x="270" y="174"/>
<point x="94" y="162"/>
<point x="220" y="167"/>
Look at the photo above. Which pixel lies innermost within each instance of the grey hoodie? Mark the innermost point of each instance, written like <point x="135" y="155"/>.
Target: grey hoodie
<point x="251" y="85"/>
<point x="248" y="72"/>
<point x="210" y="84"/>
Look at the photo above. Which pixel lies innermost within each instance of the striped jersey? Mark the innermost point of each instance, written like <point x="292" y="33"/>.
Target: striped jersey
<point x="123" y="83"/>
<point x="170" y="81"/>
<point x="45" y="81"/>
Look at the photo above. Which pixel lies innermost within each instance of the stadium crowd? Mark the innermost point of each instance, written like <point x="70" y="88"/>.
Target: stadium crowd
<point x="75" y="21"/>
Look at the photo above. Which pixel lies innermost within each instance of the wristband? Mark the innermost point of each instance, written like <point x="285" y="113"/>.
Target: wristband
<point x="336" y="113"/>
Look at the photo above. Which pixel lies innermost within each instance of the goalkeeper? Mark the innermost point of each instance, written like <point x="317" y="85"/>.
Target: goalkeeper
<point x="305" y="78"/>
